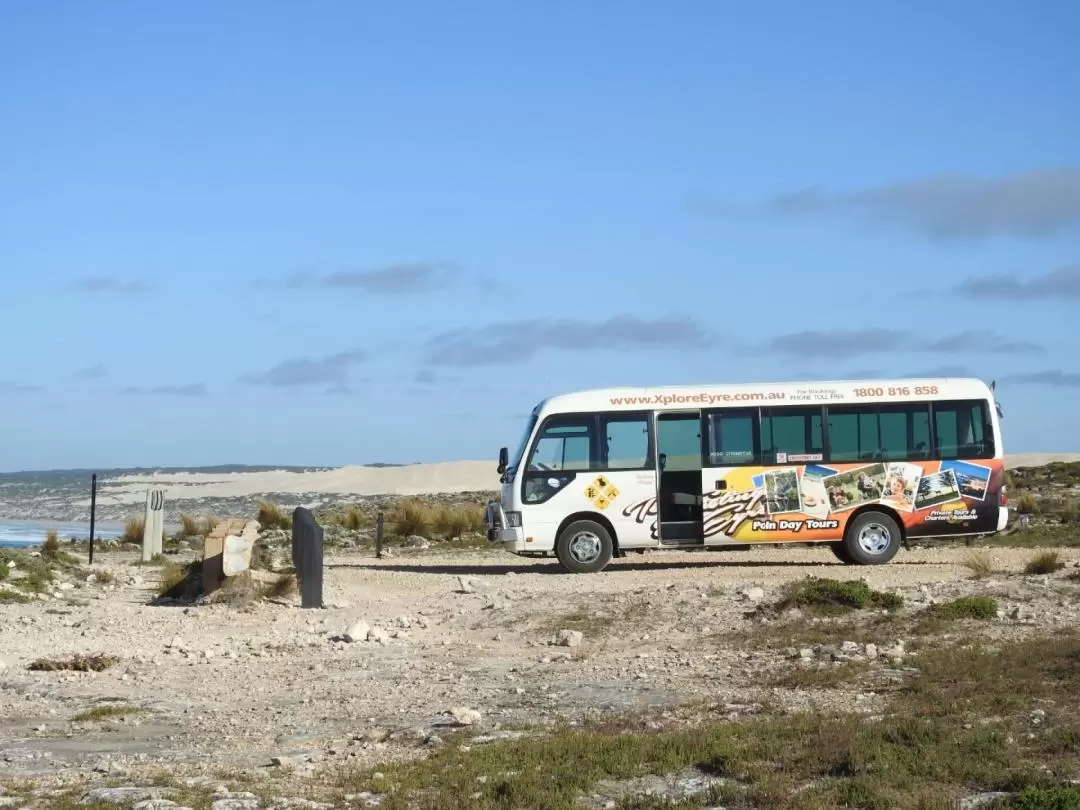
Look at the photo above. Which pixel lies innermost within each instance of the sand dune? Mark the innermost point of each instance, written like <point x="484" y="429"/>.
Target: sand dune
<point x="419" y="479"/>
<point x="1038" y="459"/>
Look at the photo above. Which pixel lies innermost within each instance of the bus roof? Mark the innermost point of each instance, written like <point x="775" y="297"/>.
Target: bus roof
<point x="804" y="392"/>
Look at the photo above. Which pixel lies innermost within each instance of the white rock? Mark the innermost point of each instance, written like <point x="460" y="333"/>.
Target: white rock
<point x="379" y="635"/>
<point x="358" y="631"/>
<point x="465" y="717"/>
<point x="754" y="594"/>
<point x="806" y="654"/>
<point x="569" y="638"/>
<point x="871" y="651"/>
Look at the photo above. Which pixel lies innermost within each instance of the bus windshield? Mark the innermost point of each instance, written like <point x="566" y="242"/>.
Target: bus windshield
<point x="515" y="459"/>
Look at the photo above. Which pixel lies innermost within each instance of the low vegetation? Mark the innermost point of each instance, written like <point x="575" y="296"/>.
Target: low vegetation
<point x="966" y="607"/>
<point x="189" y="526"/>
<point x="414" y="517"/>
<point x="1047" y="562"/>
<point x="980" y="563"/>
<point x="106" y="712"/>
<point x="970" y="720"/>
<point x="134" y="530"/>
<point x="180" y="581"/>
<point x="831" y="596"/>
<point x="76" y="663"/>
<point x="271" y="516"/>
<point x="14" y="597"/>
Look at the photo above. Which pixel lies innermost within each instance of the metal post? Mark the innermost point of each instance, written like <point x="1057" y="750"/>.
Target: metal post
<point x="379" y="535"/>
<point x="93" y="510"/>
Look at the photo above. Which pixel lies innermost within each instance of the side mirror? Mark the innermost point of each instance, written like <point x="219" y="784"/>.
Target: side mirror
<point x="504" y="460"/>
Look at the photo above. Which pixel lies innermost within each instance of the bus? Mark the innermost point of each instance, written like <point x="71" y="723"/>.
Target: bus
<point x="859" y="465"/>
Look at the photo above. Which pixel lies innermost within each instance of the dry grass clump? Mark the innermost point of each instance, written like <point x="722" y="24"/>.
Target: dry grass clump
<point x="104" y="713"/>
<point x="104" y="577"/>
<point x="207" y="525"/>
<point x="133" y="531"/>
<point x="180" y="581"/>
<point x="1027" y="504"/>
<point x="189" y="526"/>
<point x="284" y="587"/>
<point x="240" y="591"/>
<point x="50" y="549"/>
<point x="271" y="516"/>
<point x="77" y="663"/>
<point x="13" y="597"/>
<point x="1046" y="562"/>
<point x="980" y="563"/>
<point x="355" y="519"/>
<point x="411" y="517"/>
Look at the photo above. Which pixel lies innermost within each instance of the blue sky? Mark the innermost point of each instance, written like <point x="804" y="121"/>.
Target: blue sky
<point x="345" y="232"/>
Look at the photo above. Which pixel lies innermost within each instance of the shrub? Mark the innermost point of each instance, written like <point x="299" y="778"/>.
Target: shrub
<point x="13" y="596"/>
<point x="411" y="517"/>
<point x="831" y="595"/>
<point x="271" y="517"/>
<point x="967" y="607"/>
<point x="1046" y="562"/>
<point x="208" y="524"/>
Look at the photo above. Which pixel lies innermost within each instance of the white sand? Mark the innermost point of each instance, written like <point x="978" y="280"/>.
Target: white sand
<point x="1038" y="459"/>
<point x="418" y="479"/>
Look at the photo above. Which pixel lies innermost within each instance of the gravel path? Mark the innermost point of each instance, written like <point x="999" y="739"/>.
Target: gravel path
<point x="223" y="687"/>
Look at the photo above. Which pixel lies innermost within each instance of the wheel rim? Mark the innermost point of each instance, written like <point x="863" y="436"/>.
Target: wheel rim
<point x="874" y="538"/>
<point x="585" y="547"/>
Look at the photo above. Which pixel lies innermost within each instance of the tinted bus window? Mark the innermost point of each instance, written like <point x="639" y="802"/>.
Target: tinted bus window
<point x="879" y="432"/>
<point x="962" y="429"/>
<point x="733" y="438"/>
<point x="627" y="437"/>
<point x="790" y="432"/>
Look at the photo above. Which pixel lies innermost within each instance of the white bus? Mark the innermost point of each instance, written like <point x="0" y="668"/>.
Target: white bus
<point x="859" y="465"/>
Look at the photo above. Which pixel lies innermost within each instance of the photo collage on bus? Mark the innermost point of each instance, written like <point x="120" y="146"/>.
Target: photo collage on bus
<point x="814" y="500"/>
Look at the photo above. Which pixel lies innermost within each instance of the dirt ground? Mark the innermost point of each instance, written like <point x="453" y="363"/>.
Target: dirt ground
<point x="219" y="688"/>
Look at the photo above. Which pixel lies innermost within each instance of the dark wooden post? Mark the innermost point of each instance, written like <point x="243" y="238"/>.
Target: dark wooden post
<point x="307" y="552"/>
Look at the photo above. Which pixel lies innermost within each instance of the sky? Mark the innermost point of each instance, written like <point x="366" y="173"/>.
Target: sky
<point x="348" y="232"/>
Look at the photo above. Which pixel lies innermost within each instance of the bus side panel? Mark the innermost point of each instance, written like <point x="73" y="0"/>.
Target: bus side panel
<point x="813" y="502"/>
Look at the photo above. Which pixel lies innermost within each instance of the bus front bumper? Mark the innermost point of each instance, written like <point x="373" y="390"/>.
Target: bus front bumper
<point x="499" y="530"/>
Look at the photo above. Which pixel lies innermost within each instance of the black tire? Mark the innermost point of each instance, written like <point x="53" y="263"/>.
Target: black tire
<point x="840" y="550"/>
<point x="584" y="547"/>
<point x="872" y="538"/>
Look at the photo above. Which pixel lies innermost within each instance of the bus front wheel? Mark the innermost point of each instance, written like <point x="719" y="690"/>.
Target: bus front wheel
<point x="584" y="547"/>
<point x="872" y="538"/>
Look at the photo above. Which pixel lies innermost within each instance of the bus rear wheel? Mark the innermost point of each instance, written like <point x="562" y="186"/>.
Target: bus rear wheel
<point x="872" y="538"/>
<point x="840" y="551"/>
<point x="584" y="547"/>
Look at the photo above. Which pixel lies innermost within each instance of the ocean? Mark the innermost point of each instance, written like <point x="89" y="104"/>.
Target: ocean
<point x="22" y="533"/>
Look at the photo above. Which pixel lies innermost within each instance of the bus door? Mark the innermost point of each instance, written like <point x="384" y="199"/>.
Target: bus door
<point x="678" y="492"/>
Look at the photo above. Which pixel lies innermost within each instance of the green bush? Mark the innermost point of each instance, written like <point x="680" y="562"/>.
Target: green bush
<point x="967" y="607"/>
<point x="833" y="595"/>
